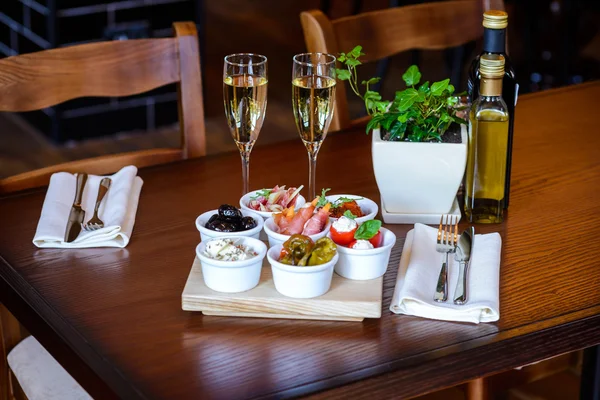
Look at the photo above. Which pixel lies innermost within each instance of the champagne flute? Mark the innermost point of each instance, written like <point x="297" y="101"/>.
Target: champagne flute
<point x="313" y="94"/>
<point x="245" y="99"/>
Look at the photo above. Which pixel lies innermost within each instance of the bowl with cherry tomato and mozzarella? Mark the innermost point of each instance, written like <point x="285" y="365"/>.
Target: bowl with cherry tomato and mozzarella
<point x="266" y="202"/>
<point x="361" y="208"/>
<point x="364" y="249"/>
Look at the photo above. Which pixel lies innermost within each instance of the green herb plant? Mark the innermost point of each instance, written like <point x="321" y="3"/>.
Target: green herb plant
<point x="419" y="113"/>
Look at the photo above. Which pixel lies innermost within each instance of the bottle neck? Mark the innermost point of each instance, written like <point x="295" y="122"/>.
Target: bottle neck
<point x="494" y="41"/>
<point x="490" y="87"/>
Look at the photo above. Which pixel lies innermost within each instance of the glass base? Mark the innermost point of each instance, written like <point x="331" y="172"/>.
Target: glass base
<point x="484" y="211"/>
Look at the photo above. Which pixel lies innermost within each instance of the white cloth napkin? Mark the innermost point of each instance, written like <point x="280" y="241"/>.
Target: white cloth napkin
<point x="117" y="210"/>
<point x="418" y="275"/>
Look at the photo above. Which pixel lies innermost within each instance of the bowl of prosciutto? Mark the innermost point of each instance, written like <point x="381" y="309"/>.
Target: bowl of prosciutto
<point x="265" y="202"/>
<point x="364" y="249"/>
<point x="361" y="208"/>
<point x="306" y="221"/>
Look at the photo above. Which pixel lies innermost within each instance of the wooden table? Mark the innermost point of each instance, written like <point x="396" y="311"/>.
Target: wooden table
<point x="113" y="316"/>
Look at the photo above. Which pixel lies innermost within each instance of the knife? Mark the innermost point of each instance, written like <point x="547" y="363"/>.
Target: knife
<point x="463" y="256"/>
<point x="77" y="214"/>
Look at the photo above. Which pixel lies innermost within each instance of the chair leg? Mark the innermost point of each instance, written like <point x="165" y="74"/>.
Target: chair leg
<point x="590" y="374"/>
<point x="477" y="389"/>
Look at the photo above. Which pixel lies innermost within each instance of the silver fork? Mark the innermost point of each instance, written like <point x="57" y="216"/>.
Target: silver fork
<point x="95" y="222"/>
<point x="446" y="243"/>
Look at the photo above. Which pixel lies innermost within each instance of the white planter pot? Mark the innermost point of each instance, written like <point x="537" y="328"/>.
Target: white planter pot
<point x="418" y="178"/>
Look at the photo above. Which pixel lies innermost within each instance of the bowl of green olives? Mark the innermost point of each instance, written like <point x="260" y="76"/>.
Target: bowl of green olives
<point x="229" y="221"/>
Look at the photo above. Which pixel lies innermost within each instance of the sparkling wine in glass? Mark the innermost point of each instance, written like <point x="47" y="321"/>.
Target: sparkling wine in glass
<point x="245" y="99"/>
<point x="313" y="95"/>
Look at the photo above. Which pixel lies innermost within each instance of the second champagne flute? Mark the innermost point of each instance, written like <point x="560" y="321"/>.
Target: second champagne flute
<point x="313" y="94"/>
<point x="245" y="100"/>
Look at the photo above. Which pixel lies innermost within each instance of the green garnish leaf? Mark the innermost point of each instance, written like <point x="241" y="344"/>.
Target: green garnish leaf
<point x="261" y="193"/>
<point x="348" y="214"/>
<point x="322" y="199"/>
<point x="341" y="200"/>
<point x="367" y="230"/>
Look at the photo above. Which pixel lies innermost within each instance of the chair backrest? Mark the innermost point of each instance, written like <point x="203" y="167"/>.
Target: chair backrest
<point x="383" y="33"/>
<point x="118" y="68"/>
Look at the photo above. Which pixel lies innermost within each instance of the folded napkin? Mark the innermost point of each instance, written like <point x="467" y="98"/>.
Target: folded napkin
<point x="418" y="275"/>
<point x="117" y="210"/>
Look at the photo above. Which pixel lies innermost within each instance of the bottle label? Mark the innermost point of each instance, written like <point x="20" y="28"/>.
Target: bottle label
<point x="516" y="93"/>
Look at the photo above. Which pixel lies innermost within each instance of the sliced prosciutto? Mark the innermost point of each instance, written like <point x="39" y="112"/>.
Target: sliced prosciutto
<point x="296" y="225"/>
<point x="317" y="222"/>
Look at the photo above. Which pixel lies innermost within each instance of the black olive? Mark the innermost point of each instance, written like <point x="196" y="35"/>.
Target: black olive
<point x="229" y="212"/>
<point x="222" y="226"/>
<point x="248" y="223"/>
<point x="212" y="218"/>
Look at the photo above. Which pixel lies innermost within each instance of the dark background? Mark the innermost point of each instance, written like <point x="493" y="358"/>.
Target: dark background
<point x="551" y="43"/>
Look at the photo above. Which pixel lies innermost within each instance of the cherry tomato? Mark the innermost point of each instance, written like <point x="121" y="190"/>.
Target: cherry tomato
<point x="342" y="238"/>
<point x="377" y="240"/>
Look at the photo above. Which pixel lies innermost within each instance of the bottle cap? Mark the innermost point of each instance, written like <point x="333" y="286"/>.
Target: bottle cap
<point x="495" y="19"/>
<point x="491" y="66"/>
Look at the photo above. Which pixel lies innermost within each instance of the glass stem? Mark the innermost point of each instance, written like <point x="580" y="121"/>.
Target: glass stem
<point x="245" y="170"/>
<point x="312" y="175"/>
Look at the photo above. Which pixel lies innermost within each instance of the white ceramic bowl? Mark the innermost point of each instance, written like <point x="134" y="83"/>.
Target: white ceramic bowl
<point x="276" y="238"/>
<point x="232" y="276"/>
<point x="300" y="201"/>
<point x="206" y="234"/>
<point x="366" y="264"/>
<point x="368" y="207"/>
<point x="300" y="282"/>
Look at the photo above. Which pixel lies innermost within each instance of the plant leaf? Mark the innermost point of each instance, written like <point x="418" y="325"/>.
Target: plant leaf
<point x="412" y="76"/>
<point x="342" y="74"/>
<point x="372" y="95"/>
<point x="356" y="52"/>
<point x="342" y="57"/>
<point x="371" y="81"/>
<point x="424" y="88"/>
<point x="397" y="129"/>
<point x="438" y="87"/>
<point x="452" y="100"/>
<point x="353" y="62"/>
<point x="374" y="122"/>
<point x="407" y="98"/>
<point x="450" y="89"/>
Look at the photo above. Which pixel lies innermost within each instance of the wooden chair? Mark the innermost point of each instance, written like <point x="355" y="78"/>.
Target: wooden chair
<point x="119" y="68"/>
<point x="383" y="33"/>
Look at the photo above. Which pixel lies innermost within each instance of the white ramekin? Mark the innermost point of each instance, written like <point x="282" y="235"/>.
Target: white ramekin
<point x="300" y="201"/>
<point x="276" y="238"/>
<point x="232" y="276"/>
<point x="300" y="282"/>
<point x="206" y="234"/>
<point x="368" y="263"/>
<point x="368" y="206"/>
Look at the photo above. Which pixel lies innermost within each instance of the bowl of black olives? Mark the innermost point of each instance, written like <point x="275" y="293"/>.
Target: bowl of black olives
<point x="227" y="221"/>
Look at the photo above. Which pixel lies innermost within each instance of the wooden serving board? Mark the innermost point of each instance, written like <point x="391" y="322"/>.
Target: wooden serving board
<point x="346" y="300"/>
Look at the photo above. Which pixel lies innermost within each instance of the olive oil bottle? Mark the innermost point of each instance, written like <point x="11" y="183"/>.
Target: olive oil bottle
<point x="488" y="143"/>
<point x="495" y="23"/>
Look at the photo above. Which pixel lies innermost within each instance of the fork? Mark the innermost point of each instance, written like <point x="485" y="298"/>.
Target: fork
<point x="95" y="222"/>
<point x="446" y="243"/>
